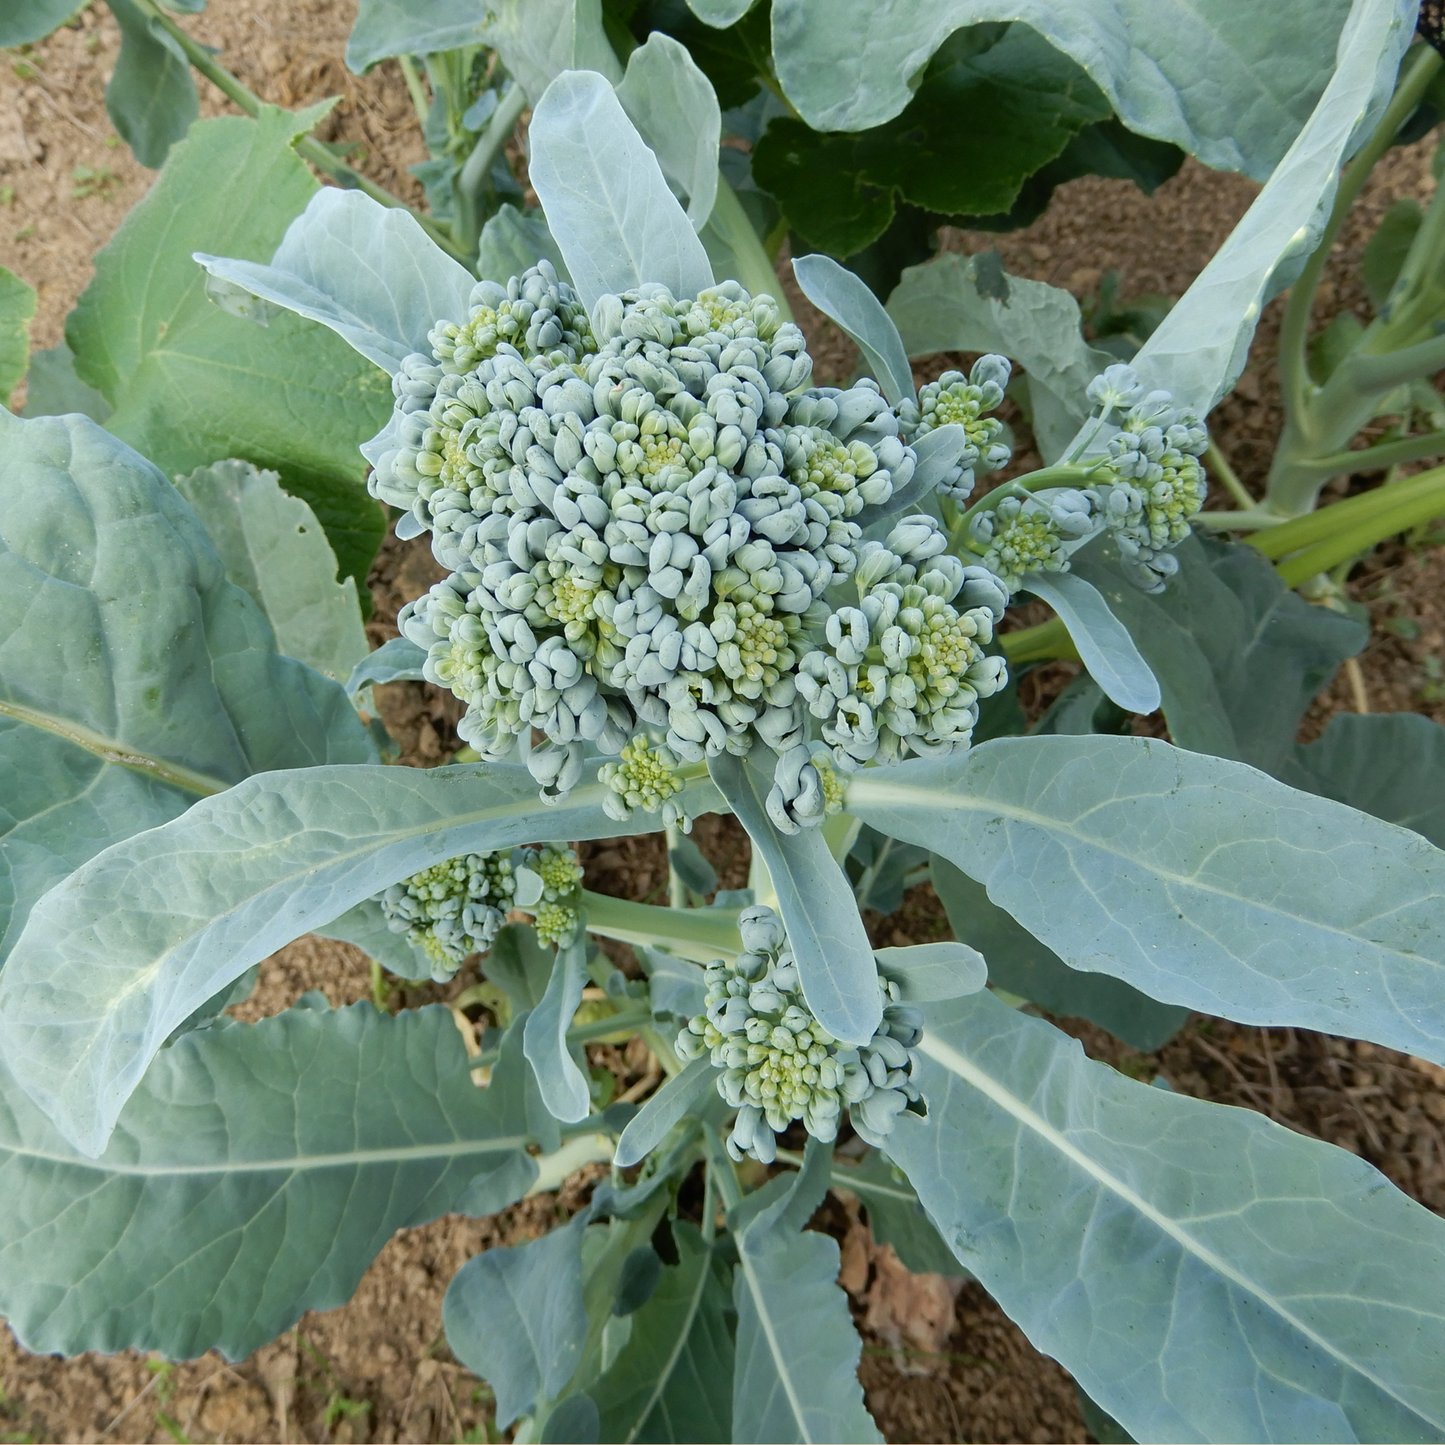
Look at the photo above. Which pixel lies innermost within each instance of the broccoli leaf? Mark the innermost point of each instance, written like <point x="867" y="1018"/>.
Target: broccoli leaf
<point x="539" y="39"/>
<point x="395" y="27"/>
<point x="53" y="389"/>
<point x="894" y="1214"/>
<point x="513" y="240"/>
<point x="1020" y="964"/>
<point x="134" y="677"/>
<point x="150" y="98"/>
<point x="273" y="548"/>
<point x="1128" y="1229"/>
<point x="1266" y="65"/>
<point x="605" y="196"/>
<point x="672" y="1379"/>
<point x="969" y="138"/>
<point x="190" y="383"/>
<point x="153" y="926"/>
<point x="25" y="24"/>
<point x="256" y="1172"/>
<point x="1202" y="882"/>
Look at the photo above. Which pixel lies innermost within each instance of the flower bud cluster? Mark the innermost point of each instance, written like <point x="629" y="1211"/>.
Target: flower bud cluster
<point x="1157" y="480"/>
<point x="963" y="401"/>
<point x="779" y="1064"/>
<point x="453" y="909"/>
<point x="1031" y="533"/>
<point x="558" y="912"/>
<point x="646" y="778"/>
<point x="642" y="521"/>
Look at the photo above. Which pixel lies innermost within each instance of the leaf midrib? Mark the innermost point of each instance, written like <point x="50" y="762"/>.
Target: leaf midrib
<point x="352" y="1159"/>
<point x="683" y="1336"/>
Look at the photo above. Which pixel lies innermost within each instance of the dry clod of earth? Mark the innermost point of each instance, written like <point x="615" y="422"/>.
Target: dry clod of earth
<point x="941" y="1362"/>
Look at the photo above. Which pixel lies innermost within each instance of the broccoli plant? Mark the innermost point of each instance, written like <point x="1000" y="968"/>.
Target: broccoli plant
<point x="681" y="579"/>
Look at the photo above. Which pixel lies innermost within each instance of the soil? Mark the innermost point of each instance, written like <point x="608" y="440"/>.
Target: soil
<point x="941" y="1361"/>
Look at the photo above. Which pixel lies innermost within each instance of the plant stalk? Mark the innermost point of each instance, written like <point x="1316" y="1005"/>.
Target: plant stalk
<point x="698" y="934"/>
<point x="1048" y="642"/>
<point x="1346" y="545"/>
<point x="1352" y="517"/>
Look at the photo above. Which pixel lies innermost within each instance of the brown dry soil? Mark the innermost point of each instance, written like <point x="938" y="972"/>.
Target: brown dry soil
<point x="941" y="1362"/>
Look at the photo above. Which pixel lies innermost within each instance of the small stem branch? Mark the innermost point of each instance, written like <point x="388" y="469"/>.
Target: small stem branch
<point x="1367" y="373"/>
<point x="489" y="144"/>
<point x="419" y="101"/>
<point x="1061" y="474"/>
<point x="1334" y="550"/>
<point x="1378" y="458"/>
<point x="676" y="888"/>
<point x="1218" y="463"/>
<point x="699" y="934"/>
<point x="307" y="147"/>
<point x="1246" y="521"/>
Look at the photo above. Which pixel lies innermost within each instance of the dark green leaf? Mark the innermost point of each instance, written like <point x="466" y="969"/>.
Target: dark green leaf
<point x="151" y="98"/>
<point x="190" y="383"/>
<point x="895" y="1216"/>
<point x="254" y="1175"/>
<point x="515" y="1317"/>
<point x="1388" y="764"/>
<point x="1102" y="1426"/>
<point x="672" y="1382"/>
<point x="641" y="1271"/>
<point x="52" y="388"/>
<point x="1022" y="965"/>
<point x="17" y="310"/>
<point x="968" y="139"/>
<point x="574" y="1422"/>
<point x="1237" y="654"/>
<point x="512" y="241"/>
<point x="1386" y="250"/>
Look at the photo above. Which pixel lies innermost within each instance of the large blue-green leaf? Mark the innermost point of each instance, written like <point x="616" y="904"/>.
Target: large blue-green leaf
<point x="845" y="299"/>
<point x="851" y="64"/>
<point x="1203" y="1273"/>
<point x="720" y="13"/>
<point x="130" y="944"/>
<point x="1020" y="964"/>
<point x="1198" y="880"/>
<point x="134" y="677"/>
<point x="672" y="1380"/>
<point x="539" y="39"/>
<point x="254" y="1174"/>
<point x="673" y="106"/>
<point x="1199" y="349"/>
<point x="1103" y="641"/>
<point x="1389" y="764"/>
<point x="367" y="271"/>
<point x="17" y="310"/>
<point x="825" y="931"/>
<point x="190" y="383"/>
<point x="515" y="1317"/>
<point x="150" y="98"/>
<point x="396" y="27"/>
<point x="796" y="1377"/>
<point x="274" y="549"/>
<point x="1238" y="655"/>
<point x="605" y="196"/>
<point x="950" y="305"/>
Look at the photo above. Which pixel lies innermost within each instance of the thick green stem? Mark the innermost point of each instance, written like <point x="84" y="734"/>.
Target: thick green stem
<point x="1047" y="642"/>
<point x="676" y="888"/>
<point x="1347" y="517"/>
<point x="1337" y="549"/>
<point x="1295" y="325"/>
<point x="472" y="180"/>
<point x="699" y="934"/>
<point x="307" y="147"/>
<point x="1246" y="521"/>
